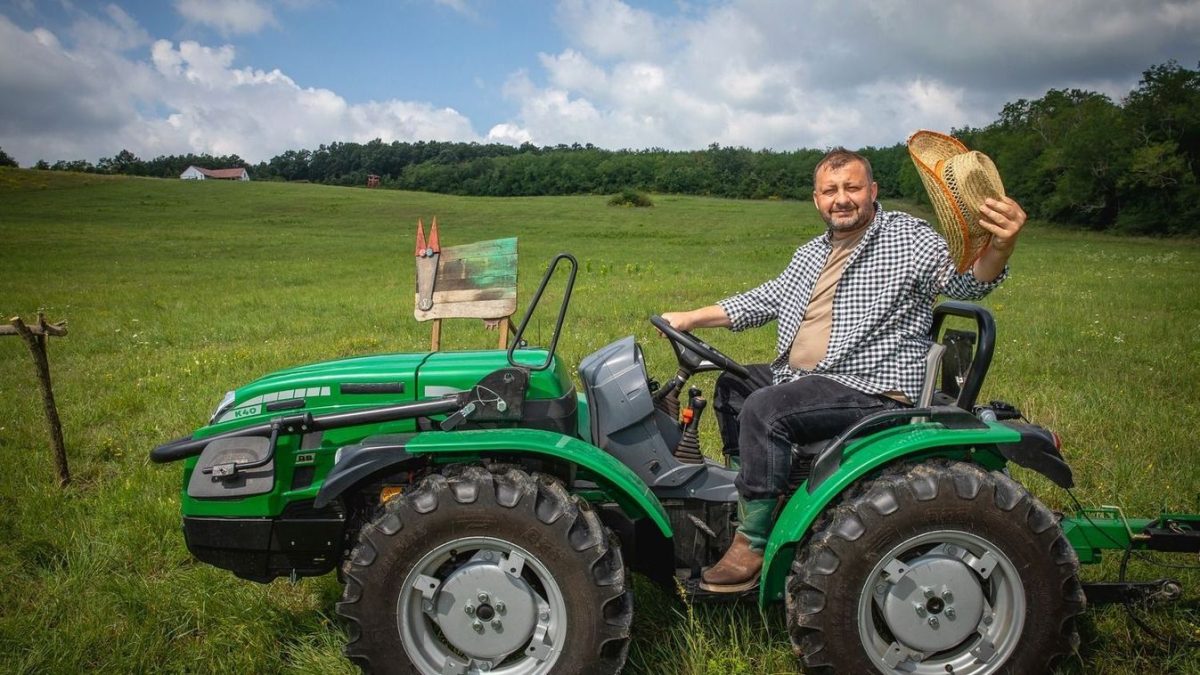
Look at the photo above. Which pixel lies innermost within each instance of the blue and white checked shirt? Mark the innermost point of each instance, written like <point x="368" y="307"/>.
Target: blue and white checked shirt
<point x="882" y="307"/>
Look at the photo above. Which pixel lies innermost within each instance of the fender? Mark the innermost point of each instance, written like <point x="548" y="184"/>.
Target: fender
<point x="375" y="453"/>
<point x="859" y="458"/>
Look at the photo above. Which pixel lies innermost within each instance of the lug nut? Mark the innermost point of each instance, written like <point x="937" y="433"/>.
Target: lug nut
<point x="477" y="625"/>
<point x="947" y="596"/>
<point x="483" y="597"/>
<point x="987" y="620"/>
<point x="928" y="592"/>
<point x="496" y="624"/>
<point x="950" y="613"/>
<point x="470" y="610"/>
<point x="933" y="622"/>
<point x="500" y="608"/>
<point x="921" y="610"/>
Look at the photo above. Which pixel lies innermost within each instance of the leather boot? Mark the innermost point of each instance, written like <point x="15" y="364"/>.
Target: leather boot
<point x="738" y="569"/>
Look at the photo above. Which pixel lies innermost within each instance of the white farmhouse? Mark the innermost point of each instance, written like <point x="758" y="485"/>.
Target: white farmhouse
<point x="198" y="173"/>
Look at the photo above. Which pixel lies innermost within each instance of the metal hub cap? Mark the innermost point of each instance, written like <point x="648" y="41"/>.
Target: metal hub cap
<point x="942" y="602"/>
<point x="941" y="591"/>
<point x="481" y="604"/>
<point x="484" y="611"/>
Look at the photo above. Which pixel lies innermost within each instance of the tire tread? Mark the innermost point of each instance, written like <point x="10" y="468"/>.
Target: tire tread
<point x="869" y="505"/>
<point x="544" y="498"/>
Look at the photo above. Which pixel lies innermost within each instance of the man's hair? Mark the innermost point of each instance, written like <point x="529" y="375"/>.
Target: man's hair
<point x="839" y="157"/>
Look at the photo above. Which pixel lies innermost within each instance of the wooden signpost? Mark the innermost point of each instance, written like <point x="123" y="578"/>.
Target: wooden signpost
<point x="35" y="338"/>
<point x="476" y="280"/>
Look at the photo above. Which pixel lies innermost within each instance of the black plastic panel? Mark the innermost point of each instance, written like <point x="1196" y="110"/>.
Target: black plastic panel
<point x="261" y="549"/>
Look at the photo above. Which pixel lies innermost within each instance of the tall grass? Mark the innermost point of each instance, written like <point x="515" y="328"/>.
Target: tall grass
<point x="176" y="292"/>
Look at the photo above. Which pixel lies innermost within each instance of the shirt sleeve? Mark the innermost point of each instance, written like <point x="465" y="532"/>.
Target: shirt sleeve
<point x="756" y="306"/>
<point x="966" y="287"/>
<point x="944" y="280"/>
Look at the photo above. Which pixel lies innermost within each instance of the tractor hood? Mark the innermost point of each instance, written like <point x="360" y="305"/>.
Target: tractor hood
<point x="322" y="387"/>
<point x="368" y="381"/>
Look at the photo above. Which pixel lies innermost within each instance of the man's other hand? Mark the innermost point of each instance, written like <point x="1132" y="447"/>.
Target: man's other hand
<point x="711" y="316"/>
<point x="679" y="320"/>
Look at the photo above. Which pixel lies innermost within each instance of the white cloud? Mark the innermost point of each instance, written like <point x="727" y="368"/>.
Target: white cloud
<point x="120" y="32"/>
<point x="611" y="28"/>
<point x="91" y="100"/>
<point x="223" y="109"/>
<point x="508" y="133"/>
<point x="229" y="17"/>
<point x="757" y="73"/>
<point x="572" y="70"/>
<point x="776" y="73"/>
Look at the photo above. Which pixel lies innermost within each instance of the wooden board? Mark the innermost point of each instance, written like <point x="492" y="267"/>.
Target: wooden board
<point x="476" y="280"/>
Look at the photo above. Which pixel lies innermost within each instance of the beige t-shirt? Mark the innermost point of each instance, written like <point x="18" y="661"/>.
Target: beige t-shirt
<point x="812" y="339"/>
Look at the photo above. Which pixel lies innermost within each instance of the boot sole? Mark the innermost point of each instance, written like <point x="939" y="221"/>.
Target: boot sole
<point x="729" y="588"/>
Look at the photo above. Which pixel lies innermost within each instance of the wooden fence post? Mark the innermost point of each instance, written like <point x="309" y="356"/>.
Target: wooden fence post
<point x="35" y="339"/>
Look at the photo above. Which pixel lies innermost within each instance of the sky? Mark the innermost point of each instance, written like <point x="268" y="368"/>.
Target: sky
<point x="81" y="80"/>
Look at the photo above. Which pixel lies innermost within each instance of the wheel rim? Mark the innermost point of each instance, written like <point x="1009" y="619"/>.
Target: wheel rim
<point x="481" y="604"/>
<point x="942" y="602"/>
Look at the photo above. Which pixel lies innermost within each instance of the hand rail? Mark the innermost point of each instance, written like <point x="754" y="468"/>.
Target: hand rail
<point x="533" y="303"/>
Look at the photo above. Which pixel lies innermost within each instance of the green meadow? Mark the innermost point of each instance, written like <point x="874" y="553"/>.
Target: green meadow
<point x="177" y="291"/>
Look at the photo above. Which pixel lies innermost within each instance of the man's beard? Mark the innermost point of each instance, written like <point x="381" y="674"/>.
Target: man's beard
<point x="864" y="217"/>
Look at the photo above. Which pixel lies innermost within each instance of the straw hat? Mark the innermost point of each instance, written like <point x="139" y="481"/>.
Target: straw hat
<point x="957" y="180"/>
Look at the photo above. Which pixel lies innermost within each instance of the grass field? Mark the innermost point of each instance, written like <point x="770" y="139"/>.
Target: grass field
<point x="177" y="291"/>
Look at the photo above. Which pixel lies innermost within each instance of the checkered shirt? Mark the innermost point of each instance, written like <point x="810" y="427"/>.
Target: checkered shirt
<point x="882" y="307"/>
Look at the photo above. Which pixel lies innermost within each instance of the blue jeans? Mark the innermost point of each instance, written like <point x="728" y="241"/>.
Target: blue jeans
<point x="762" y="422"/>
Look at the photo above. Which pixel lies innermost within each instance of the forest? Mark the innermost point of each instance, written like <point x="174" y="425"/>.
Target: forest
<point x="1072" y="156"/>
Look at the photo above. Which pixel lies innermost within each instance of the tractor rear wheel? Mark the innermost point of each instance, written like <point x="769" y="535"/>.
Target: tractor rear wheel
<point x="477" y="571"/>
<point x="939" y="567"/>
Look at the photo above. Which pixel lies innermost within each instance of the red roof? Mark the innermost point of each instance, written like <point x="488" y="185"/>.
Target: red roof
<point x="221" y="173"/>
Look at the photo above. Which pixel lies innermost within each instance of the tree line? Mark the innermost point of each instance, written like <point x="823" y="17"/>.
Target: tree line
<point x="1071" y="156"/>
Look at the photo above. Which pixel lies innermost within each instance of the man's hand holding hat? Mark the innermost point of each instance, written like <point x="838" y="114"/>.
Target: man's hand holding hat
<point x="1003" y="218"/>
<point x="978" y="221"/>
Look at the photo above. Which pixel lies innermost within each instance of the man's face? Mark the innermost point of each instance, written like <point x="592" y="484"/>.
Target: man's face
<point x="845" y="198"/>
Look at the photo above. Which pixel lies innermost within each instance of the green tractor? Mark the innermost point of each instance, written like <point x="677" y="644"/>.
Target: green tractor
<point x="484" y="515"/>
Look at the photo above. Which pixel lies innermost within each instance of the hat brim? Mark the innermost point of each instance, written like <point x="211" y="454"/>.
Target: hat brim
<point x="956" y="220"/>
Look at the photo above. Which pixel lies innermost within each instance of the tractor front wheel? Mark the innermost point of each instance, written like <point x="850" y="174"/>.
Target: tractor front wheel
<point x="478" y="571"/>
<point x="939" y="567"/>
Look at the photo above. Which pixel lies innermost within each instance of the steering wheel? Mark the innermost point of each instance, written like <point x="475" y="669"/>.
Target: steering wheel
<point x="696" y="355"/>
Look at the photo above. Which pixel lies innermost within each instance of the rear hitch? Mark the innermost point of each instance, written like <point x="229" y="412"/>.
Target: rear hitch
<point x="1133" y="592"/>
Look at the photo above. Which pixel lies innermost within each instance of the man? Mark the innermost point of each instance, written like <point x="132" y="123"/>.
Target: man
<point x="854" y="307"/>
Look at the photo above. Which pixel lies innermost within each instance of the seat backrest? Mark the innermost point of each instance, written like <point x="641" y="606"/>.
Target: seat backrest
<point x="962" y="356"/>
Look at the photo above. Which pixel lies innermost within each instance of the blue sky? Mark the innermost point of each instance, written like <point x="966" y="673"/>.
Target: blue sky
<point x="258" y="77"/>
<point x="376" y="50"/>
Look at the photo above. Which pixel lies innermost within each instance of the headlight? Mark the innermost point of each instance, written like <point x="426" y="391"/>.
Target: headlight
<point x="225" y="404"/>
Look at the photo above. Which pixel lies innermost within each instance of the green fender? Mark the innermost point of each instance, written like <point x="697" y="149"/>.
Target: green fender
<point x="858" y="459"/>
<point x="623" y="485"/>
